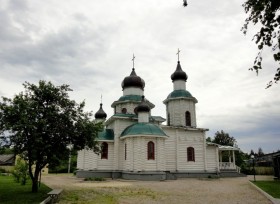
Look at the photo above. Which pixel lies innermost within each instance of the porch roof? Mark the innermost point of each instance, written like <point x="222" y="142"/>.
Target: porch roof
<point x="223" y="147"/>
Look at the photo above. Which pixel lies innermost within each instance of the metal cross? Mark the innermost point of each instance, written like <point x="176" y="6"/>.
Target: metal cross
<point x="133" y="60"/>
<point x="178" y="54"/>
<point x="101" y="98"/>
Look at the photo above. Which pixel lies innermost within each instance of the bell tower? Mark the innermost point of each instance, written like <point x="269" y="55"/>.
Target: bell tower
<point x="180" y="104"/>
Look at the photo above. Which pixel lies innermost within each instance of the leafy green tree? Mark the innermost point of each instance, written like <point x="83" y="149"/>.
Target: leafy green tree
<point x="42" y="121"/>
<point x="265" y="13"/>
<point x="208" y="139"/>
<point x="223" y="138"/>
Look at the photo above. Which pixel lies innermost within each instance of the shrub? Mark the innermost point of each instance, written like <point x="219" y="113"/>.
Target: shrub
<point x="2" y="170"/>
<point x="20" y="172"/>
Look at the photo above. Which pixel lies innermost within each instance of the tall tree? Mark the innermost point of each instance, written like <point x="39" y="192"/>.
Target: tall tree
<point x="260" y="152"/>
<point x="223" y="138"/>
<point x="42" y="121"/>
<point x="266" y="14"/>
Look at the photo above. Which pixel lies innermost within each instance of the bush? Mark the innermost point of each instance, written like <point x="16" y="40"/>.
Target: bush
<point x="2" y="170"/>
<point x="20" y="172"/>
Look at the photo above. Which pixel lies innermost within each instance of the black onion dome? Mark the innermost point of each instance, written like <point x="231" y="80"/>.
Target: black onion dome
<point x="133" y="81"/>
<point x="100" y="114"/>
<point x="143" y="106"/>
<point x="179" y="73"/>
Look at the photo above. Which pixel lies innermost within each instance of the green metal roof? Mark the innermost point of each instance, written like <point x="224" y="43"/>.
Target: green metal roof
<point x="143" y="129"/>
<point x="125" y="115"/>
<point x="130" y="98"/>
<point x="179" y="93"/>
<point x="107" y="134"/>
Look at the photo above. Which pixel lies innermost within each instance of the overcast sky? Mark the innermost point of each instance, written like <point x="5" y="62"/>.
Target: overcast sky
<point x="89" y="44"/>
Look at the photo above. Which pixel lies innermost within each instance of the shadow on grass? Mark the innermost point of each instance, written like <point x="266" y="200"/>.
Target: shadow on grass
<point x="13" y="193"/>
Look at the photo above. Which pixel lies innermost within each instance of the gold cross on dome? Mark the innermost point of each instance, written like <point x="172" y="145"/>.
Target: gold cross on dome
<point x="178" y="54"/>
<point x="133" y="58"/>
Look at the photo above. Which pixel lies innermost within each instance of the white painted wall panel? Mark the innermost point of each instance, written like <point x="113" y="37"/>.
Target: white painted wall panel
<point x="179" y="85"/>
<point x="133" y="91"/>
<point x="211" y="158"/>
<point x="177" y="109"/>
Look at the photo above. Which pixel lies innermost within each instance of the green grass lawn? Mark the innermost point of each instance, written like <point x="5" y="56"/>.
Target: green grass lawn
<point x="12" y="192"/>
<point x="271" y="187"/>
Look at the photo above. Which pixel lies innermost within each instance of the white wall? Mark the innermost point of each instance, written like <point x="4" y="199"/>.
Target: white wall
<point x="176" y="149"/>
<point x="212" y="158"/>
<point x="179" y="85"/>
<point x="177" y="109"/>
<point x="133" y="91"/>
<point x="137" y="159"/>
<point x="88" y="160"/>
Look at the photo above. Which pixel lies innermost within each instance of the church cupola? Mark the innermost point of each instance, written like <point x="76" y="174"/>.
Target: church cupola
<point x="179" y="74"/>
<point x="100" y="114"/>
<point x="133" y="90"/>
<point x="180" y="104"/>
<point x="133" y="84"/>
<point x="133" y="81"/>
<point x="143" y="111"/>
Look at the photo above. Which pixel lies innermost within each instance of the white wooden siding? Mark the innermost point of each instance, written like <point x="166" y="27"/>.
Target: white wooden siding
<point x="177" y="109"/>
<point x="211" y="157"/>
<point x="176" y="149"/>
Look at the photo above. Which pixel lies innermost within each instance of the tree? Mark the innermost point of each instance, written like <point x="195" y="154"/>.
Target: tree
<point x="260" y="152"/>
<point x="252" y="153"/>
<point x="223" y="138"/>
<point x="42" y="121"/>
<point x="208" y="139"/>
<point x="266" y="13"/>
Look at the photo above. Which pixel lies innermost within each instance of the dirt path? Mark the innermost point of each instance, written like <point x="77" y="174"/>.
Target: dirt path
<point x="224" y="190"/>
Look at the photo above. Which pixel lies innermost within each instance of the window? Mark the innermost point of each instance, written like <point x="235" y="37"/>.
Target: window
<point x="151" y="151"/>
<point x="125" y="149"/>
<point x="135" y="111"/>
<point x="124" y="110"/>
<point x="104" y="150"/>
<point x="190" y="153"/>
<point x="188" y="118"/>
<point x="168" y="119"/>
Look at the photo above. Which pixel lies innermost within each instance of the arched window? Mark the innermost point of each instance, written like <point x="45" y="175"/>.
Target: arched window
<point x="104" y="150"/>
<point x="168" y="119"/>
<point x="151" y="151"/>
<point x="125" y="149"/>
<point x="190" y="154"/>
<point x="124" y="110"/>
<point x="188" y="118"/>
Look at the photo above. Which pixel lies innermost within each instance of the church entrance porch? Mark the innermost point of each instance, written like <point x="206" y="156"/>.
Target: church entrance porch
<point x="227" y="165"/>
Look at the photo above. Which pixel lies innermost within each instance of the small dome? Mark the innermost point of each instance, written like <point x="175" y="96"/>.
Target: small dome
<point x="143" y="129"/>
<point x="143" y="106"/>
<point x="133" y="81"/>
<point x="100" y="114"/>
<point x="179" y="73"/>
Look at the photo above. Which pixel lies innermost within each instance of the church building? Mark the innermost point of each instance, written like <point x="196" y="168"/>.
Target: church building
<point x="136" y="145"/>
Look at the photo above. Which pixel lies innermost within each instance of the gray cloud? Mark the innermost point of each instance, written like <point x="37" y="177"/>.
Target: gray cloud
<point x="89" y="46"/>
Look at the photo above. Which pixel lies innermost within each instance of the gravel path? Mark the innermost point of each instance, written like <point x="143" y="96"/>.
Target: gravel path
<point x="223" y="190"/>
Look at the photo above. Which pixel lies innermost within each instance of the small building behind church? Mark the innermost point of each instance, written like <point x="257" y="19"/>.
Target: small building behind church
<point x="137" y="145"/>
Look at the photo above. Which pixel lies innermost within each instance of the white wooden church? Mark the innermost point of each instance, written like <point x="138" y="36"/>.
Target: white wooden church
<point x="136" y="145"/>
